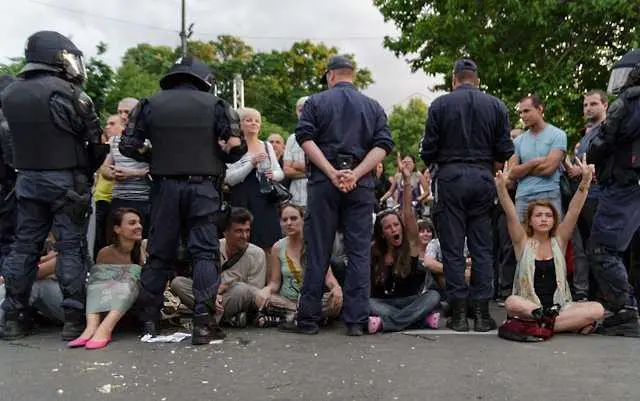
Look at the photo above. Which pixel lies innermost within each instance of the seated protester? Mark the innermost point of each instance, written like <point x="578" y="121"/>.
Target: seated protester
<point x="243" y="271"/>
<point x="46" y="297"/>
<point x="279" y="298"/>
<point x="112" y="287"/>
<point x="433" y="262"/>
<point x="397" y="275"/>
<point x="540" y="287"/>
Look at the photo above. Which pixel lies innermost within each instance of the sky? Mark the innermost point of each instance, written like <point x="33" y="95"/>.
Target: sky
<point x="354" y="26"/>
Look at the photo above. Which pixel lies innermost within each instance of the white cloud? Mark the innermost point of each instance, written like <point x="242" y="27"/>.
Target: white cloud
<point x="354" y="26"/>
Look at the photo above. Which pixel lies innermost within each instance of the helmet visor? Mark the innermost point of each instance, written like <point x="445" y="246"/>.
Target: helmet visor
<point x="618" y="79"/>
<point x="73" y="66"/>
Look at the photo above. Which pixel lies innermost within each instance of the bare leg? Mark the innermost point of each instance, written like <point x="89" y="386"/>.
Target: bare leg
<point x="578" y="316"/>
<point x="520" y="307"/>
<point x="93" y="321"/>
<point x="108" y="324"/>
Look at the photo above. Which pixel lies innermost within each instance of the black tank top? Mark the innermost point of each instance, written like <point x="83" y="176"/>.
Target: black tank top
<point x="544" y="281"/>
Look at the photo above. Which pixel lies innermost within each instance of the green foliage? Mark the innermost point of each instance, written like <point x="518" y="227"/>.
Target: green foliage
<point x="99" y="80"/>
<point x="556" y="49"/>
<point x="273" y="80"/>
<point x="13" y="67"/>
<point x="406" y="124"/>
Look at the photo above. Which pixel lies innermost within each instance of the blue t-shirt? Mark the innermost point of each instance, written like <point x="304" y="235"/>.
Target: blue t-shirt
<point x="528" y="146"/>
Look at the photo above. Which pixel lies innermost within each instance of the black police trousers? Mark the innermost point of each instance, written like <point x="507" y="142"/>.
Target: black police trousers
<point x="8" y="219"/>
<point x="47" y="201"/>
<point x="328" y="207"/>
<point x="465" y="196"/>
<point x="188" y="208"/>
<point x="615" y="223"/>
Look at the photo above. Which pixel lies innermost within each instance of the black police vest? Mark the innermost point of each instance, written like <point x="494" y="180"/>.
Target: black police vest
<point x="38" y="144"/>
<point x="181" y="132"/>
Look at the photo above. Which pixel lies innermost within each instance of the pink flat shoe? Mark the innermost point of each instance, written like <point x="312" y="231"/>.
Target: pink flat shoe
<point x="375" y="324"/>
<point x="432" y="320"/>
<point x="97" y="344"/>
<point x="78" y="342"/>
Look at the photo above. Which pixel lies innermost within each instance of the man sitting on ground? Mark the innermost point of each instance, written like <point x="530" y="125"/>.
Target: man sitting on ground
<point x="243" y="272"/>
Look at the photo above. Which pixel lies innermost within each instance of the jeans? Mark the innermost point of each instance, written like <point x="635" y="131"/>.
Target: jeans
<point x="46" y="298"/>
<point x="401" y="313"/>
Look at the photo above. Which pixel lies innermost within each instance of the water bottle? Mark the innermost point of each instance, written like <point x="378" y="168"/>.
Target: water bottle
<point x="265" y="184"/>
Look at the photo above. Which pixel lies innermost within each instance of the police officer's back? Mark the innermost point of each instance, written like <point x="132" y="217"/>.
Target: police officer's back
<point x="56" y="140"/>
<point x="466" y="132"/>
<point x="616" y="152"/>
<point x="192" y="134"/>
<point x="345" y="135"/>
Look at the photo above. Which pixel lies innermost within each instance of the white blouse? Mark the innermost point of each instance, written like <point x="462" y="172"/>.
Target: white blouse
<point x="238" y="171"/>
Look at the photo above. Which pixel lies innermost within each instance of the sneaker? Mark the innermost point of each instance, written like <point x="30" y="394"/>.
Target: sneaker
<point x="432" y="320"/>
<point x="375" y="324"/>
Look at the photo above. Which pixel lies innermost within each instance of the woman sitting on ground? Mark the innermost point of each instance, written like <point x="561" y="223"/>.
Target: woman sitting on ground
<point x="113" y="281"/>
<point x="285" y="274"/>
<point x="540" y="286"/>
<point x="397" y="274"/>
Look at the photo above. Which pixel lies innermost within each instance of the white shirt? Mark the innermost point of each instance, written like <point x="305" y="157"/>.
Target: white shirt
<point x="298" y="187"/>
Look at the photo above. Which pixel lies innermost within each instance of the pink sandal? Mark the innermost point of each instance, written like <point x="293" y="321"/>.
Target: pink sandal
<point x="97" y="344"/>
<point x="78" y="342"/>
<point x="375" y="324"/>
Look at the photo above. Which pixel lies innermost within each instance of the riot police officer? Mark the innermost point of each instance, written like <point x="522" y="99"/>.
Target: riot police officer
<point x="193" y="133"/>
<point x="467" y="131"/>
<point x="616" y="152"/>
<point x="56" y="137"/>
<point x="345" y="135"/>
<point x="7" y="181"/>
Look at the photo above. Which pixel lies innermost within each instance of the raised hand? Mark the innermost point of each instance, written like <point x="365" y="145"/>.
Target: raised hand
<point x="587" y="170"/>
<point x="502" y="177"/>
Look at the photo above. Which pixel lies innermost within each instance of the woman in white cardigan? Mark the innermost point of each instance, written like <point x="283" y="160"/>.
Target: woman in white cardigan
<point x="242" y="177"/>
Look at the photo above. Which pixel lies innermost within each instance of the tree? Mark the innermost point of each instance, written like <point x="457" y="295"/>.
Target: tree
<point x="407" y="124"/>
<point x="13" y="67"/>
<point x="99" y="80"/>
<point x="556" y="49"/>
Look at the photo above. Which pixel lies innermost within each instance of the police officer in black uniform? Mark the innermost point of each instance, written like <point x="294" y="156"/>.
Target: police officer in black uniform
<point x="466" y="132"/>
<point x="345" y="135"/>
<point x="193" y="133"/>
<point x="7" y="181"/>
<point x="56" y="139"/>
<point x="616" y="152"/>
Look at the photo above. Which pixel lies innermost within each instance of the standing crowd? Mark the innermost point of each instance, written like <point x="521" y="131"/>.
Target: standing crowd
<point x="176" y="206"/>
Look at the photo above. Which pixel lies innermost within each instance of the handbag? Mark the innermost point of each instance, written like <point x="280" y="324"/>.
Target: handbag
<point x="279" y="193"/>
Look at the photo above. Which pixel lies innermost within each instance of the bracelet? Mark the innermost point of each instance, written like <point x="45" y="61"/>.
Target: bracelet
<point x="583" y="187"/>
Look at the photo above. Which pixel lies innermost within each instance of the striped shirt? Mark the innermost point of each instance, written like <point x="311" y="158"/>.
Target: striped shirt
<point x="136" y="188"/>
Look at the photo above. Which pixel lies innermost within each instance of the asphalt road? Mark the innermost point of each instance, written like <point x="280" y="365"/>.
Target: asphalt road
<point x="269" y="365"/>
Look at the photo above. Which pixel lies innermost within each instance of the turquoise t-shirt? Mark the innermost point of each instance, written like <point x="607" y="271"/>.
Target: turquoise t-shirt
<point x="529" y="146"/>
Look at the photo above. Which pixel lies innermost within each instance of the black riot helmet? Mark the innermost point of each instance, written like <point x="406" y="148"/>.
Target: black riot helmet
<point x="625" y="73"/>
<point x="51" y="51"/>
<point x="188" y="70"/>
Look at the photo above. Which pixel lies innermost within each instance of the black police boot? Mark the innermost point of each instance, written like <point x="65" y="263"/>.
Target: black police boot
<point x="622" y="323"/>
<point x="458" y="319"/>
<point x="482" y="320"/>
<point x="149" y="327"/>
<point x="355" y="330"/>
<point x="206" y="329"/>
<point x="74" y="324"/>
<point x="16" y="325"/>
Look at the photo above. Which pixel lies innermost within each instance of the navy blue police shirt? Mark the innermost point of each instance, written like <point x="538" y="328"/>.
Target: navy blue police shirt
<point x="467" y="126"/>
<point x="341" y="120"/>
